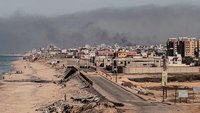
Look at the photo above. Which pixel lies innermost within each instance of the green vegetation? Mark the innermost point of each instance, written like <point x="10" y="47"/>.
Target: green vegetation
<point x="187" y="60"/>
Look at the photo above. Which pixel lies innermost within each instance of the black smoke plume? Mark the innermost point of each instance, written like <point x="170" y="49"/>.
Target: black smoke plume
<point x="148" y="24"/>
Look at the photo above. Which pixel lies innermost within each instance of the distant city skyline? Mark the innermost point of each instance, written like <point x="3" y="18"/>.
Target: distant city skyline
<point x="59" y="7"/>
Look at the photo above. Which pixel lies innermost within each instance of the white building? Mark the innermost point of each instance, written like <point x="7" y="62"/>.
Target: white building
<point x="175" y="60"/>
<point x="63" y="50"/>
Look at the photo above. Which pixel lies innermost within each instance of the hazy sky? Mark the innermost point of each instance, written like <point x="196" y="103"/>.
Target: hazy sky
<point x="132" y="21"/>
<point x="58" y="7"/>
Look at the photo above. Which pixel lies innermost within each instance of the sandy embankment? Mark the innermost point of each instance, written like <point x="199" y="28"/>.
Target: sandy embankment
<point x="25" y="97"/>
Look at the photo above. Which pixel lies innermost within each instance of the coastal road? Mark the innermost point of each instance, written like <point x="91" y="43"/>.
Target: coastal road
<point x="112" y="91"/>
<point x="117" y="93"/>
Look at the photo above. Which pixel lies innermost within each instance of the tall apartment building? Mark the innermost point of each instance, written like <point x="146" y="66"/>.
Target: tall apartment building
<point x="197" y="49"/>
<point x="184" y="46"/>
<point x="171" y="46"/>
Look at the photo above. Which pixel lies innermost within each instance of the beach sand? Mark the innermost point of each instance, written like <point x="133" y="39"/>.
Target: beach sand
<point x="19" y="96"/>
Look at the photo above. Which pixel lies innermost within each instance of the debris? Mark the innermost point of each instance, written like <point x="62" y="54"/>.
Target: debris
<point x="113" y="104"/>
<point x="58" y="76"/>
<point x="57" y="107"/>
<point x="54" y="62"/>
<point x="90" y="99"/>
<point x="127" y="84"/>
<point x="144" y="92"/>
<point x="18" y="72"/>
<point x="88" y="106"/>
<point x="70" y="74"/>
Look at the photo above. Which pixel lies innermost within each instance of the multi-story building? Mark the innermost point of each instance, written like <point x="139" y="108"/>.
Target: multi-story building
<point x="197" y="49"/>
<point x="171" y="46"/>
<point x="187" y="46"/>
<point x="184" y="46"/>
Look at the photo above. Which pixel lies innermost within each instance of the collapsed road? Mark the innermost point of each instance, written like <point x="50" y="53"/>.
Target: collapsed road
<point x="116" y="93"/>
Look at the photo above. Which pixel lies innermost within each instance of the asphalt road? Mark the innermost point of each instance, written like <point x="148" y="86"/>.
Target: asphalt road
<point x="126" y="97"/>
<point x="123" y="96"/>
<point x="117" y="92"/>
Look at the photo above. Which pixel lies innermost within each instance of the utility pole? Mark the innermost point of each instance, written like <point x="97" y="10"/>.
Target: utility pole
<point x="115" y="70"/>
<point x="116" y="75"/>
<point x="87" y="64"/>
<point x="164" y="78"/>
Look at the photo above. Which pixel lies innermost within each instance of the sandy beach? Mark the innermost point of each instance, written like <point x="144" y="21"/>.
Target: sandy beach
<point x="17" y="95"/>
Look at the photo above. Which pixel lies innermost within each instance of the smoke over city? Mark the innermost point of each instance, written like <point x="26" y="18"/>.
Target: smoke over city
<point x="148" y="24"/>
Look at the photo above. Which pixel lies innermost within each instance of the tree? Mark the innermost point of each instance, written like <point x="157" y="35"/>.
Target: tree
<point x="187" y="60"/>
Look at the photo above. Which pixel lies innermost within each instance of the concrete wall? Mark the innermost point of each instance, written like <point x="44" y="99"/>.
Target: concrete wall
<point x="159" y="70"/>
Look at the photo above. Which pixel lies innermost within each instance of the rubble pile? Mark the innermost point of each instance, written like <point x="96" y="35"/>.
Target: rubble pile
<point x="90" y="104"/>
<point x="57" y="107"/>
<point x="101" y="107"/>
<point x="90" y="99"/>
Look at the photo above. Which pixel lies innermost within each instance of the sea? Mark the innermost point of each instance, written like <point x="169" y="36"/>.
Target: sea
<point x="5" y="64"/>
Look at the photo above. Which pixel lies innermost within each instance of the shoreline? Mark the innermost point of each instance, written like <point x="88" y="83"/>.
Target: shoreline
<point x="20" y="94"/>
<point x="23" y="97"/>
<point x="11" y="66"/>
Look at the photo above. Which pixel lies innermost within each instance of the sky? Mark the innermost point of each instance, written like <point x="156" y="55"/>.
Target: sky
<point x="27" y="24"/>
<point x="59" y="7"/>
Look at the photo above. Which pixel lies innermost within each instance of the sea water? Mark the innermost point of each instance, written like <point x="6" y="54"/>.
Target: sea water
<point x="5" y="64"/>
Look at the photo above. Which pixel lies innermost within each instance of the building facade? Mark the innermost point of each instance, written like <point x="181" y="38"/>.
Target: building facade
<point x="171" y="46"/>
<point x="187" y="47"/>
